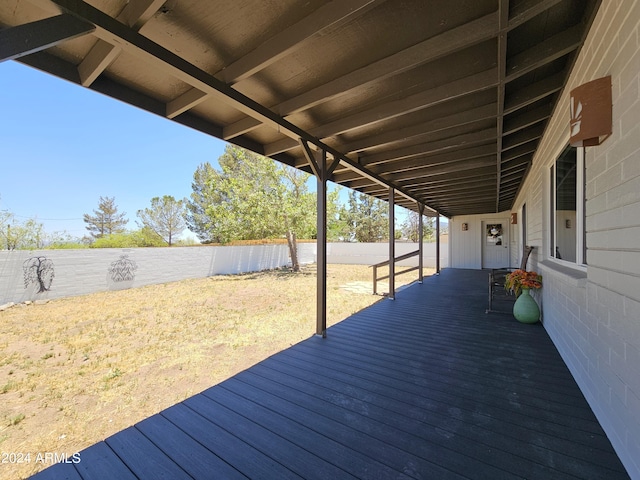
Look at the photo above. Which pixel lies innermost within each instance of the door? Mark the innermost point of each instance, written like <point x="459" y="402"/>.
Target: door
<point x="495" y="243"/>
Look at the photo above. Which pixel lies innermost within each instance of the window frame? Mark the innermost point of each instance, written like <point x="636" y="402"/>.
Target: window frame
<point x="580" y="223"/>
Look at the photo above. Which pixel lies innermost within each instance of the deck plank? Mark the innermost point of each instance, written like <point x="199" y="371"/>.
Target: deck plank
<point x="143" y="457"/>
<point x="426" y="386"/>
<point x="180" y="447"/>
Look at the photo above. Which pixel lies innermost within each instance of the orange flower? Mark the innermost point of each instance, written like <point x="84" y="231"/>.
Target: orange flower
<point x="519" y="279"/>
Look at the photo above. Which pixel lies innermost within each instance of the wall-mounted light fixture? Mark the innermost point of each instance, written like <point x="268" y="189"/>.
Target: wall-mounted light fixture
<point x="591" y="113"/>
<point x="465" y="227"/>
<point x="514" y="218"/>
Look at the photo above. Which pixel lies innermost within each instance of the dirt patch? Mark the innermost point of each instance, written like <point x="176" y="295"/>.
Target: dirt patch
<point x="76" y="370"/>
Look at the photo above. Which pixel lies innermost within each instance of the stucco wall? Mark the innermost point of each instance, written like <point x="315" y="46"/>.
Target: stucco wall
<point x="593" y="313"/>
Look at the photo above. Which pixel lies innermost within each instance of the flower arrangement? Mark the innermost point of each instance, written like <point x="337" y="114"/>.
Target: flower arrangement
<point x="519" y="279"/>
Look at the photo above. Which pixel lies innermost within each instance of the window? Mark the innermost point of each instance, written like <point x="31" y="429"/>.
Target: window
<point x="567" y="206"/>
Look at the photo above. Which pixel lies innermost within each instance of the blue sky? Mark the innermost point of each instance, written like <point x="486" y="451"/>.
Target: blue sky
<point x="63" y="146"/>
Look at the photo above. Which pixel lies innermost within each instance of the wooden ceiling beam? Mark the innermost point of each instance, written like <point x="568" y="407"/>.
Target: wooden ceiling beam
<point x="135" y="14"/>
<point x="22" y="40"/>
<point x="279" y="45"/>
<point x="431" y="148"/>
<point x="534" y="92"/>
<point x="446" y="43"/>
<point x="454" y="167"/>
<point x="522" y="137"/>
<point x="330" y="15"/>
<point x="519" y="151"/>
<point x="395" y="108"/>
<point x="545" y="52"/>
<point x="438" y="159"/>
<point x="515" y="123"/>
<point x="527" y="9"/>
<point x="466" y="117"/>
<point x="503" y="18"/>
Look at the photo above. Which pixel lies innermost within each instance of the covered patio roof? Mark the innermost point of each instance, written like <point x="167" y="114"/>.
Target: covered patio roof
<point x="443" y="101"/>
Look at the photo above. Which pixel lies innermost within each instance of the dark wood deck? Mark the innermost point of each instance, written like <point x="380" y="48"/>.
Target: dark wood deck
<point x="426" y="386"/>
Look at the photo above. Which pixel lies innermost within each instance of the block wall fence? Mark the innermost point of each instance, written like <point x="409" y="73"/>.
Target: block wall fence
<point x="68" y="273"/>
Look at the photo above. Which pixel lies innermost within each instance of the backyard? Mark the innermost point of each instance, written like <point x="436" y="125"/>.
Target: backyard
<point x="74" y="371"/>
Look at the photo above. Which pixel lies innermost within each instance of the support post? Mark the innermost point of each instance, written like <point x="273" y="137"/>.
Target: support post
<point x="321" y="274"/>
<point x="322" y="171"/>
<point x="392" y="245"/>
<point x="420" y="242"/>
<point x="438" y="243"/>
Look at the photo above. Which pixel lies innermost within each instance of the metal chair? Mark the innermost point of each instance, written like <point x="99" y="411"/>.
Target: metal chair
<point x="497" y="278"/>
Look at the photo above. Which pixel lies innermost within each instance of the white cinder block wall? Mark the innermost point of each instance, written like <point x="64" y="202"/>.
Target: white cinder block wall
<point x="593" y="314"/>
<point x="80" y="272"/>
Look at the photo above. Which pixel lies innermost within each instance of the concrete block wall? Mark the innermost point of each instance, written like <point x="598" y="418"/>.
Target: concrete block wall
<point x="80" y="272"/>
<point x="592" y="313"/>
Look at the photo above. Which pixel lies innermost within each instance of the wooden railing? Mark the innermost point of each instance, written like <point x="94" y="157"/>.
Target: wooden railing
<point x="386" y="262"/>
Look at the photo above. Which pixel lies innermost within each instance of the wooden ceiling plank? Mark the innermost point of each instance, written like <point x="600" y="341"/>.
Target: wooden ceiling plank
<point x="138" y="12"/>
<point x="503" y="10"/>
<point x="470" y="185"/>
<point x="545" y="52"/>
<point x="444" y="123"/>
<point x="423" y="149"/>
<point x="112" y="31"/>
<point x="285" y="41"/>
<point x="135" y="14"/>
<point x="440" y="169"/>
<point x="527" y="9"/>
<point x="534" y="92"/>
<point x="429" y="50"/>
<point x="185" y="102"/>
<point x="23" y="40"/>
<point x="524" y="120"/>
<point x="439" y="159"/>
<point x="520" y="150"/>
<point x="523" y="136"/>
<point x="395" y="108"/>
<point x="241" y="127"/>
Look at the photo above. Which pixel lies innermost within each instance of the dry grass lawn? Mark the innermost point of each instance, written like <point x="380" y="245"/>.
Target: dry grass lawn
<point x="76" y="370"/>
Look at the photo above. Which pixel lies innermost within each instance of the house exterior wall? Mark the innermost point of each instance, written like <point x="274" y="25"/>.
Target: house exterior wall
<point x="592" y="313"/>
<point x="465" y="246"/>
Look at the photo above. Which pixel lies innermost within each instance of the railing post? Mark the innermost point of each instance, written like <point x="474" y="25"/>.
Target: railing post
<point x="375" y="280"/>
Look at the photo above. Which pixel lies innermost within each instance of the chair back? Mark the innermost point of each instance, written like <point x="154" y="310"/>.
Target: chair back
<point x="525" y="257"/>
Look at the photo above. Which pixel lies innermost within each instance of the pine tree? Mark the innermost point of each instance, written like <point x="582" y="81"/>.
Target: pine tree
<point x="106" y="219"/>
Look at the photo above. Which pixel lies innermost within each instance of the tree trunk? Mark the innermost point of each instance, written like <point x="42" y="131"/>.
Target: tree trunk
<point x="293" y="250"/>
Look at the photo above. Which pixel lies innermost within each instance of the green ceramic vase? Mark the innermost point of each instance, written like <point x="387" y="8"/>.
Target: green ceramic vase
<point x="526" y="309"/>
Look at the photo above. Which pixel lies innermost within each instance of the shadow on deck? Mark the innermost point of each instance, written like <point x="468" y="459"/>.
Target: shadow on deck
<point x="426" y="386"/>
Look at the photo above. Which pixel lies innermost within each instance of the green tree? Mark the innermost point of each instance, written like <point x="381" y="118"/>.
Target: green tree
<point x="17" y="235"/>
<point x="410" y="227"/>
<point x="106" y="219"/>
<point x="203" y="195"/>
<point x="251" y="197"/>
<point x="367" y="218"/>
<point x="165" y="217"/>
<point x="144" y="237"/>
